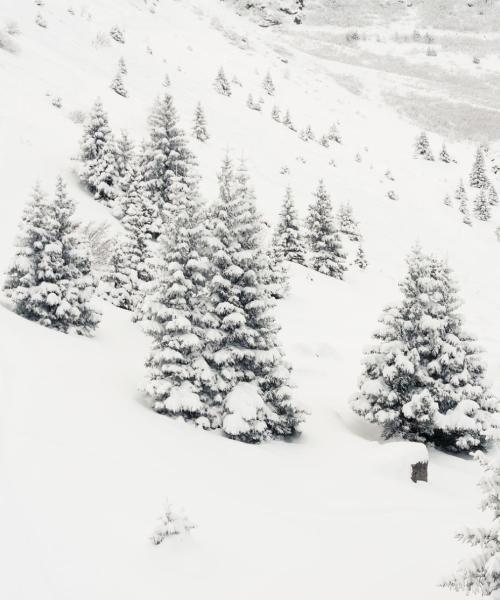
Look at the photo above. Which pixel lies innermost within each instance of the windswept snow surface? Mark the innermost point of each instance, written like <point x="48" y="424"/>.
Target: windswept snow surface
<point x="86" y="466"/>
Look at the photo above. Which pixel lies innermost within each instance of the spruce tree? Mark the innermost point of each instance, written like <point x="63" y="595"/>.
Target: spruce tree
<point x="221" y="84"/>
<point x="287" y="121"/>
<point x="276" y="114"/>
<point x="122" y="66"/>
<point x="288" y="238"/>
<point x="118" y="86"/>
<point x="422" y="147"/>
<point x="310" y="133"/>
<point x="119" y="282"/>
<point x="96" y="135"/>
<point x="327" y="255"/>
<point x="422" y="379"/>
<point x="175" y="312"/>
<point x="443" y="155"/>
<point x="277" y="280"/>
<point x="447" y="200"/>
<point x="360" y="260"/>
<point x="492" y="195"/>
<point x="347" y="224"/>
<point x="478" y="177"/>
<point x="106" y="178"/>
<point x="165" y="156"/>
<point x="166" y="80"/>
<point x="124" y="153"/>
<point x="482" y="207"/>
<point x="461" y="194"/>
<point x="246" y="350"/>
<point x="268" y="84"/>
<point x="200" y="124"/>
<point x="479" y="574"/>
<point x="333" y="134"/>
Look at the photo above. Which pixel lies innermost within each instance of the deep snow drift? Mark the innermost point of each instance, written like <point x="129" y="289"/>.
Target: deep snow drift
<point x="86" y="466"/>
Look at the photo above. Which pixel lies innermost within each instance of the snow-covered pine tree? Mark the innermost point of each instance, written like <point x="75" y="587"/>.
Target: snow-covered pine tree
<point x="166" y="80"/>
<point x="171" y="523"/>
<point x="480" y="573"/>
<point x="333" y="134"/>
<point x="287" y="121"/>
<point x="221" y="84"/>
<point x="118" y="284"/>
<point x="461" y="195"/>
<point x="360" y="260"/>
<point x="250" y="102"/>
<point x="96" y="135"/>
<point x="122" y="67"/>
<point x="268" y="84"/>
<point x="124" y="153"/>
<point x="117" y="34"/>
<point x="106" y="179"/>
<point x="443" y="155"/>
<point x="277" y="282"/>
<point x="422" y="147"/>
<point x="482" y="207"/>
<point x="245" y="352"/>
<point x="447" y="200"/>
<point x="200" y="124"/>
<point x="327" y="255"/>
<point x="347" y="224"/>
<point x="492" y="195"/>
<point x="288" y="237"/>
<point x="276" y="114"/>
<point x="175" y="312"/>
<point x="422" y="379"/>
<point x="50" y="281"/>
<point x="466" y="217"/>
<point x="478" y="177"/>
<point x="310" y="133"/>
<point x="324" y="141"/>
<point x="165" y="156"/>
<point x="118" y="86"/>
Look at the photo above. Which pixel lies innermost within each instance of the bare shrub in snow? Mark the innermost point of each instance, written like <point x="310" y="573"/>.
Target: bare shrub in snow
<point x="172" y="522"/>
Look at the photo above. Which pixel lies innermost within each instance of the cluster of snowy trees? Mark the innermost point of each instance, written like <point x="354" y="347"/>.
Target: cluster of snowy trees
<point x="319" y="244"/>
<point x="423" y="378"/>
<point x="486" y="196"/>
<point x="50" y="280"/>
<point x="423" y="150"/>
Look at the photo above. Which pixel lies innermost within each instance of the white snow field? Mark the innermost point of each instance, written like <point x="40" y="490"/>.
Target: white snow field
<point x="86" y="466"/>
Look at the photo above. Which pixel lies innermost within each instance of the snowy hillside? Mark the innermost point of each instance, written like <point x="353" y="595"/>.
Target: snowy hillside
<point x="85" y="465"/>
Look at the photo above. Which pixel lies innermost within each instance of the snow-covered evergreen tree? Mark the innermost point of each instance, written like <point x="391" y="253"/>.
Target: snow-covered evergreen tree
<point x="106" y="177"/>
<point x="333" y="134"/>
<point x="122" y="67"/>
<point x="175" y="312"/>
<point x="117" y="34"/>
<point x="124" y="153"/>
<point x="443" y="155"/>
<point x="478" y="177"/>
<point x="246" y="350"/>
<point x="422" y="379"/>
<point x="422" y="147"/>
<point x="480" y="573"/>
<point x="327" y="255"/>
<point x="166" y="80"/>
<point x="276" y="114"/>
<point x="287" y="121"/>
<point x="268" y="84"/>
<point x="492" y="195"/>
<point x="482" y="207"/>
<point x="310" y="133"/>
<point x="50" y="280"/>
<point x="118" y="284"/>
<point x="96" y="135"/>
<point x="171" y="523"/>
<point x="165" y="156"/>
<point x="117" y="84"/>
<point x="288" y="237"/>
<point x="347" y="224"/>
<point x="461" y="194"/>
<point x="221" y="84"/>
<point x="447" y="200"/>
<point x="360" y="260"/>
<point x="200" y="124"/>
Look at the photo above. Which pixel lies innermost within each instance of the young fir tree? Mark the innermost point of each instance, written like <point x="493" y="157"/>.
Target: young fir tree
<point x="287" y="121"/>
<point x="166" y="80"/>
<point x="327" y="255"/>
<point x="443" y="155"/>
<point x="288" y="236"/>
<point x="333" y="134"/>
<point x="165" y="156"/>
<point x="447" y="200"/>
<point x="461" y="194"/>
<point x="422" y="147"/>
<point x="324" y="141"/>
<point x="268" y="84"/>
<point x="492" y="195"/>
<point x="221" y="84"/>
<point x="119" y="282"/>
<point x="479" y="574"/>
<point x="422" y="379"/>
<point x="478" y="177"/>
<point x="124" y="154"/>
<point x="276" y="114"/>
<point x="251" y="104"/>
<point x="482" y="207"/>
<point x="106" y="178"/>
<point x="347" y="224"/>
<point x="96" y="135"/>
<point x="175" y="313"/>
<point x="200" y="124"/>
<point x="277" y="283"/>
<point x="118" y="86"/>
<point x="466" y="217"/>
<point x="310" y="133"/>
<point x="245" y="351"/>
<point x="50" y="280"/>
<point x="360" y="260"/>
<point x="122" y="67"/>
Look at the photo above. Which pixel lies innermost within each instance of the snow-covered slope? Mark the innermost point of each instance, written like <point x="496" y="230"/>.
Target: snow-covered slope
<point x="86" y="466"/>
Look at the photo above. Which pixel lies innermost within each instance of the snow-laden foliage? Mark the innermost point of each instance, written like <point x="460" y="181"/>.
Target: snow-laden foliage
<point x="268" y="84"/>
<point x="172" y="522"/>
<point x="245" y="347"/>
<point x="117" y="84"/>
<point x="360" y="260"/>
<point x="422" y="147"/>
<point x="423" y="378"/>
<point x="347" y="224"/>
<point x="480" y="574"/>
<point x="478" y="177"/>
<point x="482" y="206"/>
<point x="50" y="280"/>
<point x="106" y="178"/>
<point x="124" y="153"/>
<point x="288" y="238"/>
<point x="444" y="156"/>
<point x="118" y="284"/>
<point x="327" y="255"/>
<point x="221" y="84"/>
<point x="200" y="124"/>
<point x="165" y="156"/>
